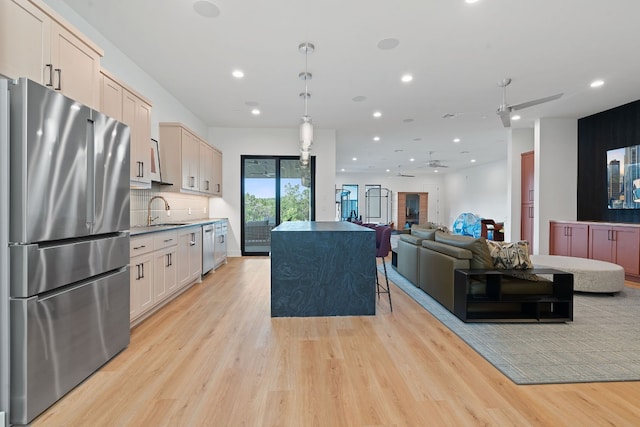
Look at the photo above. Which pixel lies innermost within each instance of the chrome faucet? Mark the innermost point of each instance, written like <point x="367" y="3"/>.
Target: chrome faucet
<point x="150" y="219"/>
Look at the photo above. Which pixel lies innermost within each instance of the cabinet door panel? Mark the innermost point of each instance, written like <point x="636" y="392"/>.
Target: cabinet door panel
<point x="600" y="243"/>
<point x="76" y="67"/>
<point x="578" y="243"/>
<point x="627" y="241"/>
<point x="558" y="239"/>
<point x="25" y="41"/>
<point x="111" y="98"/>
<point x="217" y="173"/>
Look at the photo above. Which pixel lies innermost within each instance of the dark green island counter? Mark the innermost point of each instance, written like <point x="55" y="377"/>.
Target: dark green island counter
<point x="322" y="269"/>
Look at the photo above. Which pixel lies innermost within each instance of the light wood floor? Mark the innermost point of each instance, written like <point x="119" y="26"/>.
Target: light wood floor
<point x="215" y="357"/>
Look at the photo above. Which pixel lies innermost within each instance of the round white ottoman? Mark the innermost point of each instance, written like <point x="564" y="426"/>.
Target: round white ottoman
<point x="589" y="275"/>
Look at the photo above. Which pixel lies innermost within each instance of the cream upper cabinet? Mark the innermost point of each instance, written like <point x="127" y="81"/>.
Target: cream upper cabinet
<point x="217" y="172"/>
<point x="37" y="43"/>
<point x="122" y="103"/>
<point x="188" y="161"/>
<point x="190" y="156"/>
<point x="206" y="168"/>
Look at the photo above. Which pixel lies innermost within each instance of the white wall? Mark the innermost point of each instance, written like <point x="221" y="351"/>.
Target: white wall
<point x="481" y="190"/>
<point x="280" y="142"/>
<point x="428" y="184"/>
<point x="165" y="107"/>
<point x="556" y="176"/>
<point x="521" y="141"/>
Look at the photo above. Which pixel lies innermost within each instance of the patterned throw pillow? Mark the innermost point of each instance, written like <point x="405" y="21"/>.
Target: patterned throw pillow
<point x="510" y="255"/>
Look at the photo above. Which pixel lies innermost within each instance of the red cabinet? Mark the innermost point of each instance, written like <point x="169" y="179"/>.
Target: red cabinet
<point x="569" y="239"/>
<point x="617" y="244"/>
<point x="526" y="197"/>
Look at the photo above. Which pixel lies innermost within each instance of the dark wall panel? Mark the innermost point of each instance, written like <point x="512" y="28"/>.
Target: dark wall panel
<point x="615" y="128"/>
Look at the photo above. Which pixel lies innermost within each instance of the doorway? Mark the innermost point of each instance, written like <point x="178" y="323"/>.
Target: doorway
<point x="274" y="189"/>
<point x="412" y="209"/>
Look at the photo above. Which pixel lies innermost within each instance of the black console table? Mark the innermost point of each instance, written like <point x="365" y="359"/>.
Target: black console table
<point x="496" y="305"/>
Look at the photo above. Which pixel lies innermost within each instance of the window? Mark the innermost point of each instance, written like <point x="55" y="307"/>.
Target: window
<point x="350" y="205"/>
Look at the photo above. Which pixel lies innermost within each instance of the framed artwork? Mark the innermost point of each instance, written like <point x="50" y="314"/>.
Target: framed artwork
<point x="156" y="174"/>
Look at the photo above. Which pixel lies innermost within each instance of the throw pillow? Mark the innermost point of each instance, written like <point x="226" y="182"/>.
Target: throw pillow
<point x="510" y="255"/>
<point x="481" y="259"/>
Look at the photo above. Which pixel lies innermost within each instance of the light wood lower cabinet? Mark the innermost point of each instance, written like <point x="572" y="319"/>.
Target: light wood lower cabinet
<point x="189" y="255"/>
<point x="157" y="262"/>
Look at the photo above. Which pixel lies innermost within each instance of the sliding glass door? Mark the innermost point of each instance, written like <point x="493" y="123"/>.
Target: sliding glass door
<point x="274" y="189"/>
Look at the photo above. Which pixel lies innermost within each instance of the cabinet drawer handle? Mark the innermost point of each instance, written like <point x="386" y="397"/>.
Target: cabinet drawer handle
<point x="192" y="243"/>
<point x="218" y="188"/>
<point x="50" y="67"/>
<point x="167" y="240"/>
<point x="59" y="72"/>
<point x="192" y="181"/>
<point x="135" y="248"/>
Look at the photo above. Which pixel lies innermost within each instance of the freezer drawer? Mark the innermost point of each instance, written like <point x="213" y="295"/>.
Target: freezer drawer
<point x="40" y="268"/>
<point x="59" y="339"/>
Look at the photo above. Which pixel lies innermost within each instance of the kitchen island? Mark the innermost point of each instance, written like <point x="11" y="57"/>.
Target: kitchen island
<point x="322" y="269"/>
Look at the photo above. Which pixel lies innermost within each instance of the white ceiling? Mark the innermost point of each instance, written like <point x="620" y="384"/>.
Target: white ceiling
<point x="457" y="53"/>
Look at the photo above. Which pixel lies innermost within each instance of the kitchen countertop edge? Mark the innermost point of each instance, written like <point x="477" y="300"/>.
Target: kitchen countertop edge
<point x="137" y="231"/>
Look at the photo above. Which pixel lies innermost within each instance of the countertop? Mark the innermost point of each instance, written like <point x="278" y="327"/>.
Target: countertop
<point x="315" y="226"/>
<point x="136" y="231"/>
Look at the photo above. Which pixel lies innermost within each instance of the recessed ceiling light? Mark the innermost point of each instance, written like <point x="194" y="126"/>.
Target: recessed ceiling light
<point x="354" y="158"/>
<point x="473" y="160"/>
<point x="238" y="74"/>
<point x="388" y="170"/>
<point x="515" y="117"/>
<point x="376" y="138"/>
<point x="412" y="159"/>
<point x="342" y="170"/>
<point x="255" y="112"/>
<point x="435" y="171"/>
<point x="377" y="114"/>
<point x="456" y="140"/>
<point x="597" y="83"/>
<point x="359" y="98"/>
<point x="387" y="44"/>
<point x="471" y="1"/>
<point x="406" y="78"/>
<point x="206" y="9"/>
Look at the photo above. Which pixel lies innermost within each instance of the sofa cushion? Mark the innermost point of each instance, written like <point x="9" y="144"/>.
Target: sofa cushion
<point x="481" y="259"/>
<point x="510" y="255"/>
<point x="410" y="238"/>
<point x="452" y="251"/>
<point x="424" y="233"/>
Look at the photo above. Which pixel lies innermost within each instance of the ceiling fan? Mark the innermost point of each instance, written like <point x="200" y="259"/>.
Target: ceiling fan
<point x="433" y="163"/>
<point x="504" y="110"/>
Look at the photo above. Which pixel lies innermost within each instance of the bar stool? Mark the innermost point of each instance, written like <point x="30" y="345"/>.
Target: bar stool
<point x="383" y="246"/>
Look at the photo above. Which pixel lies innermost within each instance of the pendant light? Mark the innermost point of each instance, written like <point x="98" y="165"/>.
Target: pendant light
<point x="306" y="125"/>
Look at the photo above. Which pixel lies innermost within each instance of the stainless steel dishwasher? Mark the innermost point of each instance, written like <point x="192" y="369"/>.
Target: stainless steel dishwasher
<point x="208" y="240"/>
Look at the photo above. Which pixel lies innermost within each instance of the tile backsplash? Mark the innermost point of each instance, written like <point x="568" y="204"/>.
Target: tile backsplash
<point x="184" y="207"/>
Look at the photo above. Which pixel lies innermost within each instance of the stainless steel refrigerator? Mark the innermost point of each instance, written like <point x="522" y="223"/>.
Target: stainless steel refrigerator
<point x="68" y="243"/>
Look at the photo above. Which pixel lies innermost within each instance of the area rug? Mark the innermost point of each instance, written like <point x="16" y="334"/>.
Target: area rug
<point x="601" y="344"/>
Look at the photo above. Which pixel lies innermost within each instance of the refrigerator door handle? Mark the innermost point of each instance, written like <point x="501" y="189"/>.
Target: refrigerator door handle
<point x="91" y="175"/>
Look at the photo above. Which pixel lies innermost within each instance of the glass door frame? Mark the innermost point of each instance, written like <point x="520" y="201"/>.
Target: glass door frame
<point x="312" y="193"/>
